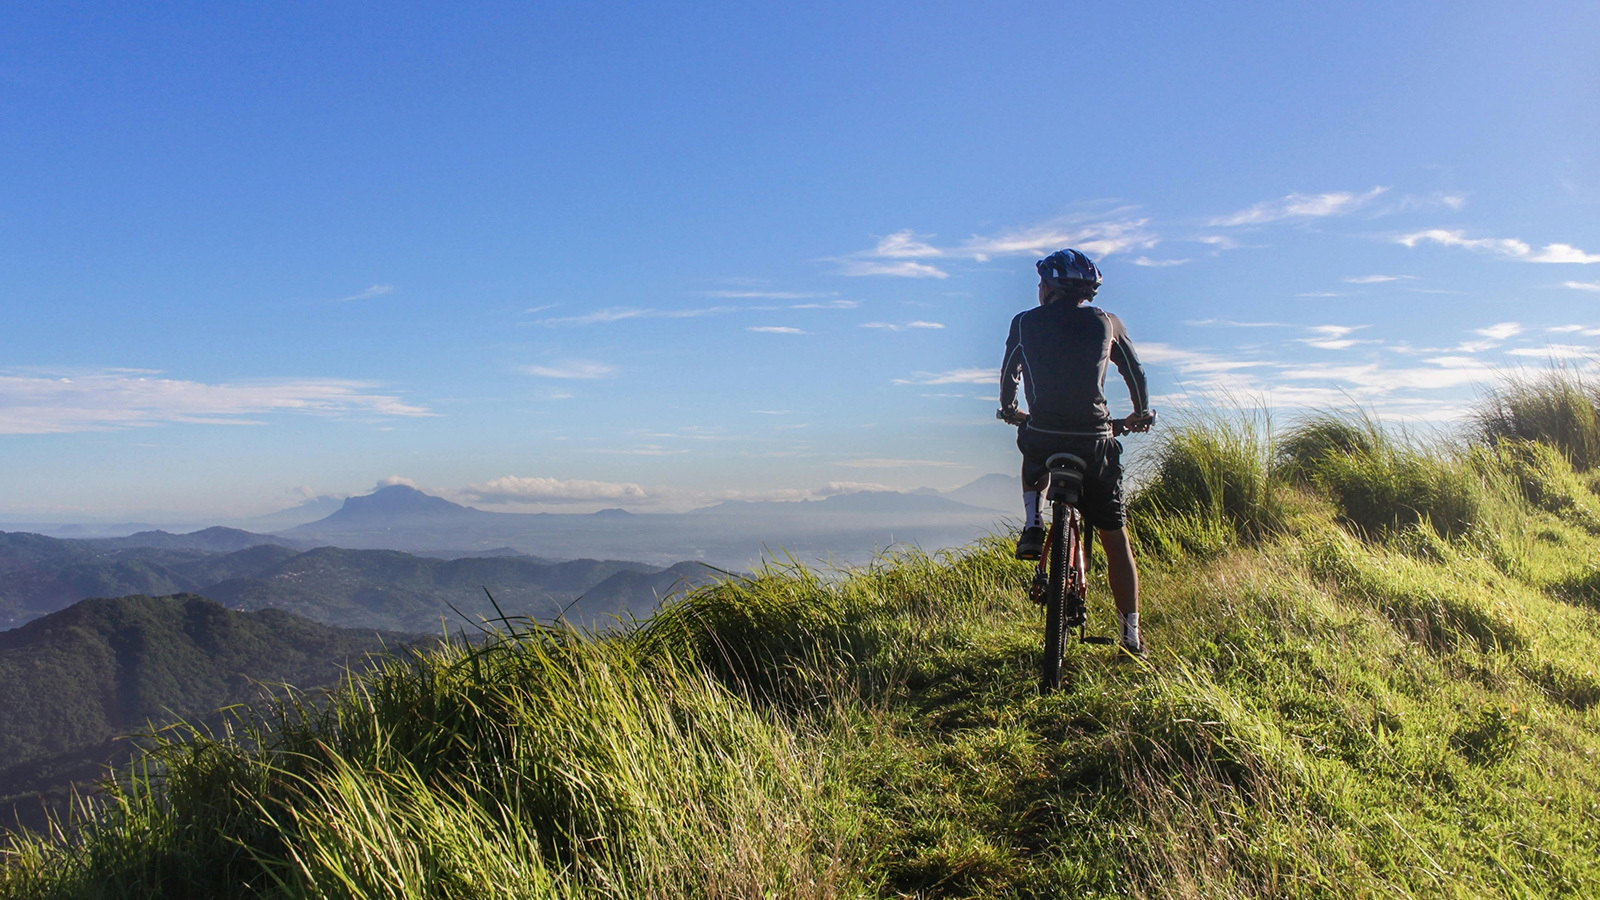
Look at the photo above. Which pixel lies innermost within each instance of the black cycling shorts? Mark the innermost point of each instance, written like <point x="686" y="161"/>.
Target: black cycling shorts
<point x="1101" y="502"/>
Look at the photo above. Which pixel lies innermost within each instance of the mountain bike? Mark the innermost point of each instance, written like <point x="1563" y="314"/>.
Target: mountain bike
<point x="1061" y="581"/>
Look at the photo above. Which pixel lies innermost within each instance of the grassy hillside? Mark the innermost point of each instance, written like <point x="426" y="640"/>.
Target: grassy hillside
<point x="1373" y="675"/>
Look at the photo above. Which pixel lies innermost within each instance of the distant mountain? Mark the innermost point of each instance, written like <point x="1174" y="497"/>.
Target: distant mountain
<point x="389" y="589"/>
<point x="215" y="538"/>
<point x="873" y="502"/>
<point x="354" y="588"/>
<point x="485" y="554"/>
<point x="1002" y="492"/>
<point x="73" y="680"/>
<point x="309" y="511"/>
<point x="40" y="574"/>
<point x="732" y="535"/>
<point x="614" y="598"/>
<point x="892" y="502"/>
<point x="393" y="505"/>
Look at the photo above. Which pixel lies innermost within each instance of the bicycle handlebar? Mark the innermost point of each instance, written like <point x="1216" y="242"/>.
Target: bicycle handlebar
<point x="1135" y="423"/>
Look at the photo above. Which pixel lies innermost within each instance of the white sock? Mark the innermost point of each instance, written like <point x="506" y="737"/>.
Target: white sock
<point x="1130" y="629"/>
<point x="1030" y="510"/>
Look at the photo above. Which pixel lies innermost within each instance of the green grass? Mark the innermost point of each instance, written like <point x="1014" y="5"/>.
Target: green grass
<point x="1557" y="406"/>
<point x="1343" y="701"/>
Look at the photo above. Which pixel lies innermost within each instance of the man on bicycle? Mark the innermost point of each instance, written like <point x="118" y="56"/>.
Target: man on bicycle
<point x="1059" y="351"/>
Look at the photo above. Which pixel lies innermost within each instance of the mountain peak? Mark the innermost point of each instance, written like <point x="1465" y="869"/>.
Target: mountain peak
<point x="389" y="505"/>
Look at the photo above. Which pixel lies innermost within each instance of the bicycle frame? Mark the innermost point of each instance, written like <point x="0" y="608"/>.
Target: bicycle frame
<point x="1062" y="576"/>
<point x="1061" y="585"/>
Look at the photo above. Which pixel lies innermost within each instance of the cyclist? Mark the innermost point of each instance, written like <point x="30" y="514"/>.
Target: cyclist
<point x="1059" y="351"/>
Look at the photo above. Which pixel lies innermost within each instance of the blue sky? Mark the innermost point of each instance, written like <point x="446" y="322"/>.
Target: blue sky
<point x="567" y="255"/>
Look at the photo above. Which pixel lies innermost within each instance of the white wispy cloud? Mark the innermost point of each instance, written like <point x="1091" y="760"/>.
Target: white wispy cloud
<point x="831" y="304"/>
<point x="953" y="376"/>
<point x="1558" y="352"/>
<point x="1376" y="279"/>
<point x="1118" y="232"/>
<point x="98" y="401"/>
<point x="1500" y="331"/>
<point x="577" y="368"/>
<point x="834" y="488"/>
<point x="765" y="295"/>
<point x="1369" y="381"/>
<point x="1593" y="286"/>
<point x="900" y="464"/>
<point x="1159" y="263"/>
<point x="1563" y="253"/>
<point x="903" y="326"/>
<point x="1394" y="379"/>
<point x="1300" y="206"/>
<point x="1332" y="337"/>
<point x="903" y="244"/>
<point x="620" y="313"/>
<point x="613" y="314"/>
<point x="775" y="329"/>
<point x="1229" y="323"/>
<point x="1508" y="248"/>
<point x="1191" y="361"/>
<point x="902" y="253"/>
<point x="520" y="489"/>
<point x="394" y="481"/>
<point x="903" y="269"/>
<point x="1492" y="336"/>
<point x="377" y="290"/>
<point x="643" y="450"/>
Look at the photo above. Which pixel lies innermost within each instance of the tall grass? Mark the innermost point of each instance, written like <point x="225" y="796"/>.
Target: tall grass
<point x="540" y="764"/>
<point x="1382" y="481"/>
<point x="1211" y="485"/>
<point x="1558" y="407"/>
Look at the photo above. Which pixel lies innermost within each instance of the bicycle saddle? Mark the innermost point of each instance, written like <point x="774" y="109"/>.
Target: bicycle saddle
<point x="1066" y="477"/>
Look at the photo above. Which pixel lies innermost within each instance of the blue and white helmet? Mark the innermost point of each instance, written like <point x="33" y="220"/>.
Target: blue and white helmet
<point x="1068" y="269"/>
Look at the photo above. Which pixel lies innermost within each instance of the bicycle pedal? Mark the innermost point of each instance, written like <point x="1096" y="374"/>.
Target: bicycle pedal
<point x="1039" y="588"/>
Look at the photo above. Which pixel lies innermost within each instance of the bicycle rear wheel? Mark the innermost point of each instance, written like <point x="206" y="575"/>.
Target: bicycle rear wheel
<point x="1055" y="604"/>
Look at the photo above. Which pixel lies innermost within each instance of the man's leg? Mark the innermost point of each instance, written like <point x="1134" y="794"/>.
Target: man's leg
<point x="1032" y="515"/>
<point x="1031" y="543"/>
<point x="1124" y="577"/>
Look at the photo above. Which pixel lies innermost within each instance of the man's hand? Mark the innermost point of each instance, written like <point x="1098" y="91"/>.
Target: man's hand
<point x="1011" y="416"/>
<point x="1140" y="422"/>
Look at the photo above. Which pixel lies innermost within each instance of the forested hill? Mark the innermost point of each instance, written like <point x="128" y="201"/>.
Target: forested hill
<point x="353" y="588"/>
<point x="72" y="681"/>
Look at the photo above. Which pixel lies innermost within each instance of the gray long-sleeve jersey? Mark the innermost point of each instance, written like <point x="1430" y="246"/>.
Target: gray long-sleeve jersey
<point x="1059" y="351"/>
